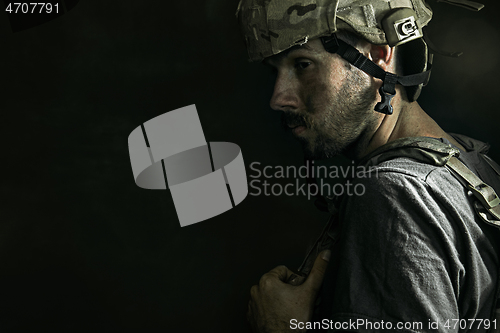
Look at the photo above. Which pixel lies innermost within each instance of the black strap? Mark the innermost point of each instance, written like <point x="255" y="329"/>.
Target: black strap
<point x="388" y="90"/>
<point x="471" y="5"/>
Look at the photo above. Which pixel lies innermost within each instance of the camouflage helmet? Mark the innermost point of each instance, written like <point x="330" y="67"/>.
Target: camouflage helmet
<point x="272" y="26"/>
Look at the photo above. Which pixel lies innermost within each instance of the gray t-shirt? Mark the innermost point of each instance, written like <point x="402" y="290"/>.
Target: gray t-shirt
<point x="414" y="256"/>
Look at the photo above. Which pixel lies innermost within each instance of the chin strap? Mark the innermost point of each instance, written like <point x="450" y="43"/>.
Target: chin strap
<point x="388" y="89"/>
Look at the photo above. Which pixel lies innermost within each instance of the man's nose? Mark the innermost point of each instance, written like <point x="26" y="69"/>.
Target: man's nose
<point x="285" y="93"/>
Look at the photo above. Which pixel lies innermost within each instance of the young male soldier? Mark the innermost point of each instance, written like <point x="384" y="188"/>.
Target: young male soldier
<point x="418" y="251"/>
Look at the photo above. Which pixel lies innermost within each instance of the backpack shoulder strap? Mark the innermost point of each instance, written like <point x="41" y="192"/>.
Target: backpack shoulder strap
<point x="486" y="195"/>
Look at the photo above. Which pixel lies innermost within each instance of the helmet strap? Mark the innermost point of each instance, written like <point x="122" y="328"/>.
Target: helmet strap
<point x="388" y="89"/>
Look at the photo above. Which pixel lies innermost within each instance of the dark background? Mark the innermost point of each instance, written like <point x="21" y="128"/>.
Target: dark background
<point x="82" y="248"/>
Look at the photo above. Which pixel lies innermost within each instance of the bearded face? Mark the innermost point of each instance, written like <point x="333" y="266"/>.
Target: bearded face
<point x="326" y="103"/>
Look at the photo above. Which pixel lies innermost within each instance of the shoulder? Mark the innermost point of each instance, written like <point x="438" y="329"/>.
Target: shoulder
<point x="403" y="167"/>
<point x="408" y="196"/>
<point x="407" y="178"/>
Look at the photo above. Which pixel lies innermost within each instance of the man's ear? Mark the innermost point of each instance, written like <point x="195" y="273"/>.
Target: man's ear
<point x="382" y="55"/>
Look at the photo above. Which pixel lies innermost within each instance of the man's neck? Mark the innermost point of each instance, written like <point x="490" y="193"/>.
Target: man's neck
<point x="408" y="120"/>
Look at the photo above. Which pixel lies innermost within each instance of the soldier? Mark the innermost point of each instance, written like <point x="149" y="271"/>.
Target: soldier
<point x="419" y="250"/>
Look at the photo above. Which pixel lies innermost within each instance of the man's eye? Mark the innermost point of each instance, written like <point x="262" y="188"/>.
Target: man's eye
<point x="302" y="64"/>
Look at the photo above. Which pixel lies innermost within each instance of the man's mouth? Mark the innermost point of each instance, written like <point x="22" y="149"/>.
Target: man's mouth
<point x="294" y="122"/>
<point x="297" y="129"/>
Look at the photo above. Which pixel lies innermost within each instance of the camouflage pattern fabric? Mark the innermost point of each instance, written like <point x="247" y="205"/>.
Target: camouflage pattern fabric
<point x="272" y="26"/>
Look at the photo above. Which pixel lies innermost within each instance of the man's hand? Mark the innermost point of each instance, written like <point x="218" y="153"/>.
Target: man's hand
<point x="273" y="303"/>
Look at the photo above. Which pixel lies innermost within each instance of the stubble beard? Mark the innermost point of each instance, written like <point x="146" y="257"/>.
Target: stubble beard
<point x="344" y="120"/>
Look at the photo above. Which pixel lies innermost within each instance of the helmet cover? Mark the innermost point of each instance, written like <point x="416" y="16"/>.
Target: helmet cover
<point x="272" y="26"/>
